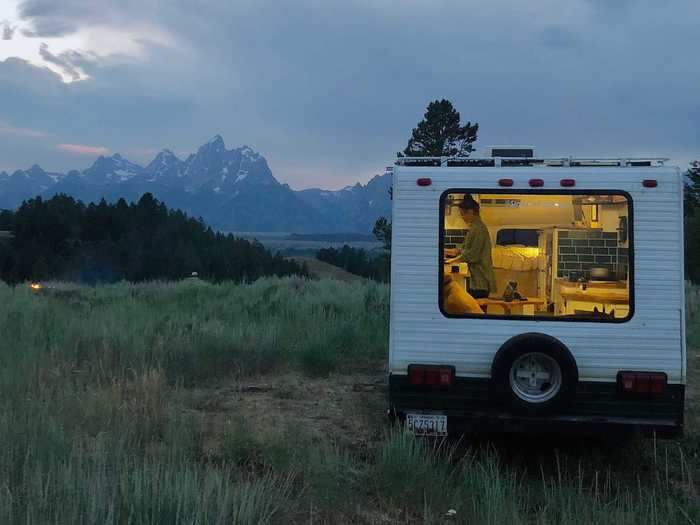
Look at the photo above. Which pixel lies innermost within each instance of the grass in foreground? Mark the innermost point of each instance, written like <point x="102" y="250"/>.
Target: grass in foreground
<point x="193" y="403"/>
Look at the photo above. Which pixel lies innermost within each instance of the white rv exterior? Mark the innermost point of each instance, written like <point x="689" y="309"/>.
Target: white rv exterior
<point x="649" y="337"/>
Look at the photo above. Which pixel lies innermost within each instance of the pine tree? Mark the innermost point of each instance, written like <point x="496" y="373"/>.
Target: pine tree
<point x="440" y="134"/>
<point x="692" y="188"/>
<point x="692" y="221"/>
<point x="382" y="231"/>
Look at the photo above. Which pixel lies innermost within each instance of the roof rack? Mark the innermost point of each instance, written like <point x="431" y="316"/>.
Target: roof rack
<point x="558" y="162"/>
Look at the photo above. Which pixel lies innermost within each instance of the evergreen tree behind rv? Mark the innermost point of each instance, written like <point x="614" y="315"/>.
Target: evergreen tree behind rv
<point x="440" y="134"/>
<point x="692" y="222"/>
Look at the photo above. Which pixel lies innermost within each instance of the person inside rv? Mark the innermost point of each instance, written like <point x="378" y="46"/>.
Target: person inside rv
<point x="529" y="253"/>
<point x="476" y="251"/>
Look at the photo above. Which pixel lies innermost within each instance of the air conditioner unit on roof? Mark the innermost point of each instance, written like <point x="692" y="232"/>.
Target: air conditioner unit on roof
<point x="510" y="151"/>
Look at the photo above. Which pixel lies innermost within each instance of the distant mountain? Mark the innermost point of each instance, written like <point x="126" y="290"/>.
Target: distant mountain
<point x="24" y="184"/>
<point x="231" y="189"/>
<point x="354" y="208"/>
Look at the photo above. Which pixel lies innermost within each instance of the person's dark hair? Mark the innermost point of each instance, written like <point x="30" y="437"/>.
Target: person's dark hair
<point x="468" y="203"/>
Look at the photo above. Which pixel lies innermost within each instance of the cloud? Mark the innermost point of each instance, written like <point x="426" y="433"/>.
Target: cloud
<point x="558" y="37"/>
<point x="8" y="30"/>
<point x="68" y="61"/>
<point x="329" y="90"/>
<point x="49" y="19"/>
<point x="612" y="5"/>
<point x="7" y="129"/>
<point x="82" y="149"/>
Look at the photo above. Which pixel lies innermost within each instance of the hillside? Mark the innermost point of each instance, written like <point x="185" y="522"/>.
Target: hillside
<point x="231" y="189"/>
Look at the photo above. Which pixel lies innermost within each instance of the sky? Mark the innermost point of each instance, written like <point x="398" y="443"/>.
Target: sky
<point x="328" y="91"/>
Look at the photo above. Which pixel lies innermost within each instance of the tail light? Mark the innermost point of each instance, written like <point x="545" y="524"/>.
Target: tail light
<point x="425" y="181"/>
<point x="431" y="375"/>
<point x="646" y="383"/>
<point x="536" y="183"/>
<point x="505" y="182"/>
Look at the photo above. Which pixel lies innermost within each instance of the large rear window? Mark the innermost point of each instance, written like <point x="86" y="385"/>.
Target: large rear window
<point x="545" y="255"/>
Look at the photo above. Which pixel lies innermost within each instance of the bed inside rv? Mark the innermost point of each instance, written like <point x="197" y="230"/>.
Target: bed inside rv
<point x="554" y="255"/>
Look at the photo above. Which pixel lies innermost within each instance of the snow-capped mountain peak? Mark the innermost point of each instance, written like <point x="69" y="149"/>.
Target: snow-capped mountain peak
<point x="165" y="165"/>
<point x="232" y="189"/>
<point x="216" y="143"/>
<point x="111" y="170"/>
<point x="249" y="154"/>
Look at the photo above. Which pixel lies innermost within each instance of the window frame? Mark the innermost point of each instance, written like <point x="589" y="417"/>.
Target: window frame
<point x="536" y="318"/>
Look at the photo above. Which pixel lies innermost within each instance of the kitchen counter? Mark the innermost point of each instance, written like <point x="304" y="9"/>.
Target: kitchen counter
<point x="608" y="292"/>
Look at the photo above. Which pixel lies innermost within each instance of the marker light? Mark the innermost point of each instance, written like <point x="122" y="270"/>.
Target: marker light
<point x="646" y="383"/>
<point x="431" y="375"/>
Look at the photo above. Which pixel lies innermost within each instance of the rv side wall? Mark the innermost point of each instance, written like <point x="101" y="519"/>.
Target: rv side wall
<point x="653" y="339"/>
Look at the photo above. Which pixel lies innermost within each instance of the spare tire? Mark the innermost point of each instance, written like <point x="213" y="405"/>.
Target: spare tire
<point x="534" y="374"/>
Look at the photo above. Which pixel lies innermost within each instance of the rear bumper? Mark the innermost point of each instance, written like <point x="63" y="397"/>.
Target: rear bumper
<point x="596" y="408"/>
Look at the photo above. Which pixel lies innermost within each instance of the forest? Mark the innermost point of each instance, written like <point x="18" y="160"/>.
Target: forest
<point x="64" y="239"/>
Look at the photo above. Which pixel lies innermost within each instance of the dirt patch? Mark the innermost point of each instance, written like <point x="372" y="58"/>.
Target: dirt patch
<point x="346" y="410"/>
<point x="323" y="270"/>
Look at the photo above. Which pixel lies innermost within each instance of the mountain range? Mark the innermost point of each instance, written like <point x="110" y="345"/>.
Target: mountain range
<point x="231" y="189"/>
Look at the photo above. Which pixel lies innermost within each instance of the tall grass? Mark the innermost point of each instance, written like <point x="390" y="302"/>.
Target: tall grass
<point x="192" y="331"/>
<point x="429" y="479"/>
<point x="91" y="427"/>
<point x="97" y="423"/>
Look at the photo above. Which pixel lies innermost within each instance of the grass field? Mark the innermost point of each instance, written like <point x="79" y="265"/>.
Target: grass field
<point x="195" y="404"/>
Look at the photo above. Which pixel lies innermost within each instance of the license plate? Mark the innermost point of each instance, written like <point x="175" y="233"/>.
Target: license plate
<point x="426" y="424"/>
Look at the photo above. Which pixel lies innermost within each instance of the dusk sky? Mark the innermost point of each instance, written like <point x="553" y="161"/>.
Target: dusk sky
<point x="328" y="91"/>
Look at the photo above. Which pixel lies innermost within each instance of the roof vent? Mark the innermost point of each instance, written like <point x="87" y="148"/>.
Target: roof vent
<point x="520" y="152"/>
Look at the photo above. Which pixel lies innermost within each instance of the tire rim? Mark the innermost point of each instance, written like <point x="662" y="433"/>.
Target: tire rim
<point x="535" y="377"/>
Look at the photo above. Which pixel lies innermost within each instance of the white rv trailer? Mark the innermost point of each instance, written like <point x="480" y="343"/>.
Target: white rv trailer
<point x="583" y="329"/>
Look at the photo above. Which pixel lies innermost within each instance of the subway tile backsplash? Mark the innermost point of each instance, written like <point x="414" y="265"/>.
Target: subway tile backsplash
<point x="454" y="238"/>
<point x="580" y="250"/>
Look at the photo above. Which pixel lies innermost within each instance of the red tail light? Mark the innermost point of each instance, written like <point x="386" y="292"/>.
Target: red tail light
<point x="536" y="183"/>
<point x="650" y="183"/>
<point x="567" y="183"/>
<point x="649" y="383"/>
<point x="431" y="375"/>
<point x="505" y="182"/>
<point x="424" y="182"/>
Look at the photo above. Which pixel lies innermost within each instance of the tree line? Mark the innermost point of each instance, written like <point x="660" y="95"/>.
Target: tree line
<point x="692" y="222"/>
<point x="64" y="239"/>
<point x="358" y="261"/>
